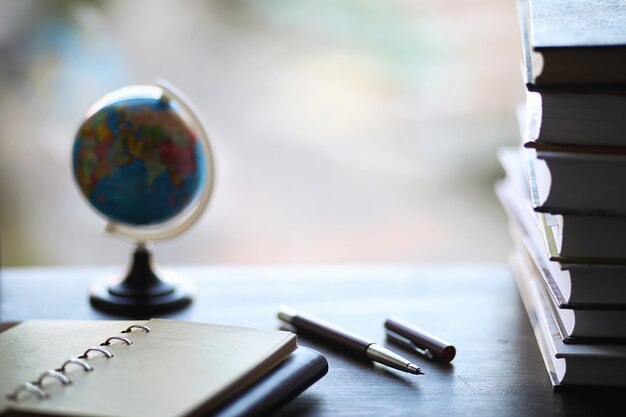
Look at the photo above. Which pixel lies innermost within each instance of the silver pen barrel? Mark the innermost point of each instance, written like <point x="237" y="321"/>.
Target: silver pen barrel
<point x="380" y="354"/>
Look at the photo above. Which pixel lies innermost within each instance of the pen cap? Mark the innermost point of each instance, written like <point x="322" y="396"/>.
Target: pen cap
<point x="421" y="338"/>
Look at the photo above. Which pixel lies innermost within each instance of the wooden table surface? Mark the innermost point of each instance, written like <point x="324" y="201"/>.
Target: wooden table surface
<point x="498" y="370"/>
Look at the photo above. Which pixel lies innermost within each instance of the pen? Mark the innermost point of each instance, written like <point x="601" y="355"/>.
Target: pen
<point x="406" y="334"/>
<point x="345" y="339"/>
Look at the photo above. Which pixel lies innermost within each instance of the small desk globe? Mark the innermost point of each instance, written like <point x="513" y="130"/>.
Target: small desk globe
<point x="142" y="160"/>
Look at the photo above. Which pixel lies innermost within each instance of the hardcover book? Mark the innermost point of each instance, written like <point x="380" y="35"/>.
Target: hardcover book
<point x="573" y="43"/>
<point x="579" y="183"/>
<point x="575" y="122"/>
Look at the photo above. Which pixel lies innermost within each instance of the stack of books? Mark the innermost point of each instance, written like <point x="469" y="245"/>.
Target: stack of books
<point x="565" y="188"/>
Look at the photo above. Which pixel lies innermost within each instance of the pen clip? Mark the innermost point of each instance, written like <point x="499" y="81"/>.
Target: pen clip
<point x="404" y="342"/>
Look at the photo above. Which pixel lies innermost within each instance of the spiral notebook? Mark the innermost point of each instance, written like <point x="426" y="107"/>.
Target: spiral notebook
<point x="120" y="368"/>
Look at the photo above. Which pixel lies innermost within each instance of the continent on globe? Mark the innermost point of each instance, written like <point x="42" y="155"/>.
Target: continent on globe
<point x="137" y="162"/>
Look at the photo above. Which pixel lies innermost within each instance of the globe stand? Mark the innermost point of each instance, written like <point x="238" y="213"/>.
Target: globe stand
<point x="141" y="294"/>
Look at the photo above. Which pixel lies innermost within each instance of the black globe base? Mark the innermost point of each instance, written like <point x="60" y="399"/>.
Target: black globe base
<point x="141" y="294"/>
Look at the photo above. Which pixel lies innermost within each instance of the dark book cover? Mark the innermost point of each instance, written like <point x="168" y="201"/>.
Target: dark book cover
<point x="577" y="23"/>
<point x="573" y="43"/>
<point x="295" y="374"/>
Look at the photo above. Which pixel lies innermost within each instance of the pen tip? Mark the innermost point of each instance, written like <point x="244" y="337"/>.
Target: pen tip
<point x="414" y="369"/>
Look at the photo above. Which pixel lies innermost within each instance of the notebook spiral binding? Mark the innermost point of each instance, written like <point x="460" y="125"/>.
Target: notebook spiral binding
<point x="36" y="387"/>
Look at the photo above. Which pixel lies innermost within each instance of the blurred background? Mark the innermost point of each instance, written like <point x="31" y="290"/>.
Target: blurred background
<point x="344" y="130"/>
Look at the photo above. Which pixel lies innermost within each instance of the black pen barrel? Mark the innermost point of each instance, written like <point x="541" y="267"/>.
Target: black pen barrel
<point x="310" y="325"/>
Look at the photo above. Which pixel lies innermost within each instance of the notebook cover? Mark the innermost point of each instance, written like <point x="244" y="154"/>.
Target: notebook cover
<point x="295" y="374"/>
<point x="185" y="352"/>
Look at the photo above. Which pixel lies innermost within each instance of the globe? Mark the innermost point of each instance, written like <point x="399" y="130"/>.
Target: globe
<point x="142" y="159"/>
<point x="137" y="161"/>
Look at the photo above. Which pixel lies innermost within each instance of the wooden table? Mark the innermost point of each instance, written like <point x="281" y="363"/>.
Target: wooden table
<point x="498" y="370"/>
